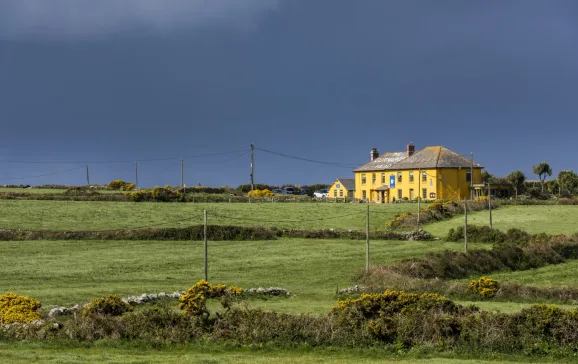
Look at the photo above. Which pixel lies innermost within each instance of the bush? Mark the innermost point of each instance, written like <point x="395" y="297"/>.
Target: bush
<point x="116" y="184"/>
<point x="485" y="287"/>
<point x="260" y="193"/>
<point x="18" y="309"/>
<point x="194" y="301"/>
<point x="111" y="305"/>
<point x="160" y="194"/>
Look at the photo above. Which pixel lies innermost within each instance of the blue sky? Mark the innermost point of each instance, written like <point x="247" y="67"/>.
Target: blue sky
<point x="108" y="81"/>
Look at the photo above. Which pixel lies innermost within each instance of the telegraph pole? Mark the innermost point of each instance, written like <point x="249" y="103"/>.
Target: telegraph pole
<point x="252" y="169"/>
<point x="466" y="225"/>
<point x="182" y="174"/>
<point x="418" y="194"/>
<point x="206" y="249"/>
<point x="472" y="176"/>
<point x="87" y="178"/>
<point x="490" y="204"/>
<point x="367" y="242"/>
<point x="136" y="174"/>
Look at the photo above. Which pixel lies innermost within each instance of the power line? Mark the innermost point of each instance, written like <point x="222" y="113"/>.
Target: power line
<point x="42" y="175"/>
<point x="336" y="164"/>
<point x="121" y="161"/>
<point x="280" y="221"/>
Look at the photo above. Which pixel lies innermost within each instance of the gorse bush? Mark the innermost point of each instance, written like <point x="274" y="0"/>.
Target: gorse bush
<point x="161" y="194"/>
<point x="260" y="193"/>
<point x="194" y="301"/>
<point x="18" y="309"/>
<point x="116" y="184"/>
<point x="485" y="287"/>
<point x="483" y="234"/>
<point x="111" y="305"/>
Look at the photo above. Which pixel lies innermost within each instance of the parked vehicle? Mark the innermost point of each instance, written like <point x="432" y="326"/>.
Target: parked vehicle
<point x="321" y="193"/>
<point x="278" y="190"/>
<point x="289" y="190"/>
<point x="304" y="191"/>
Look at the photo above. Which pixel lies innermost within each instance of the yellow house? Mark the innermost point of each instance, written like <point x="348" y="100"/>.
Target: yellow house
<point x="342" y="187"/>
<point x="433" y="173"/>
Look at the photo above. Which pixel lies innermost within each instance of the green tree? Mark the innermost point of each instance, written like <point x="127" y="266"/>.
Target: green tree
<point x="516" y="179"/>
<point x="568" y="181"/>
<point x="542" y="170"/>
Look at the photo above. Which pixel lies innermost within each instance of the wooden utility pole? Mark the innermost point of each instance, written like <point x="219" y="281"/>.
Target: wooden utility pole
<point x="466" y="225"/>
<point x="418" y="195"/>
<point x="206" y="248"/>
<point x="472" y="176"/>
<point x="136" y="174"/>
<point x="87" y="177"/>
<point x="490" y="203"/>
<point x="252" y="169"/>
<point x="183" y="174"/>
<point x="367" y="242"/>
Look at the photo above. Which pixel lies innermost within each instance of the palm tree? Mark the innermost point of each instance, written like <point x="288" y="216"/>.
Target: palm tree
<point x="542" y="170"/>
<point x="516" y="179"/>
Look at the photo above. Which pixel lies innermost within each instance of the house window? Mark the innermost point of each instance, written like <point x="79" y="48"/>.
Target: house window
<point x="468" y="176"/>
<point x="398" y="176"/>
<point x="334" y="193"/>
<point x="340" y="193"/>
<point x="424" y="193"/>
<point x="399" y="194"/>
<point x="338" y="185"/>
<point x="383" y="178"/>
<point x="424" y="177"/>
<point x="432" y="195"/>
<point x="373" y="178"/>
<point x="363" y="180"/>
<point x="378" y="196"/>
<point x="410" y="177"/>
<point x="411" y="194"/>
<point x="364" y="194"/>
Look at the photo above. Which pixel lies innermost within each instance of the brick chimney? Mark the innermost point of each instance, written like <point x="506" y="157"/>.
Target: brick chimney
<point x="373" y="154"/>
<point x="410" y="149"/>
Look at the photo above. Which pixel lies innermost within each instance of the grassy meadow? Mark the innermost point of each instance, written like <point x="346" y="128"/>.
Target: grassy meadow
<point x="96" y="215"/>
<point x="556" y="219"/>
<point x="69" y="272"/>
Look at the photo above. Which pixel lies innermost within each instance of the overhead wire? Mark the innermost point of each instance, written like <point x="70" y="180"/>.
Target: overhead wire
<point x="336" y="164"/>
<point x="41" y="175"/>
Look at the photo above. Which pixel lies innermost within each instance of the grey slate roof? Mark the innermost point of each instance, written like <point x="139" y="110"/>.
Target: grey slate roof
<point x="383" y="162"/>
<point x="427" y="158"/>
<point x="348" y="183"/>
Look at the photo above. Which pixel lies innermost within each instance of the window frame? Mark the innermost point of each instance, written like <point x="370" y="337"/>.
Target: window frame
<point x="399" y="177"/>
<point x="399" y="194"/>
<point x="363" y="178"/>
<point x="373" y="178"/>
<point x="411" y="177"/>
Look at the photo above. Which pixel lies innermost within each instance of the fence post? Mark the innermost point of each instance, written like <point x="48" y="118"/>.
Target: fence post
<point x="206" y="249"/>
<point x="367" y="242"/>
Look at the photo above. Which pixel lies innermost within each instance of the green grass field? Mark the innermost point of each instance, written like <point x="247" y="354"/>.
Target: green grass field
<point x="101" y="353"/>
<point x="81" y="215"/>
<point x="69" y="272"/>
<point x="533" y="219"/>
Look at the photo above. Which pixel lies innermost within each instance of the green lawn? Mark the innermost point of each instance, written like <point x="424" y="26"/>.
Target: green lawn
<point x="68" y="272"/>
<point x="32" y="352"/>
<point x="533" y="219"/>
<point x="81" y="215"/>
<point x="32" y="190"/>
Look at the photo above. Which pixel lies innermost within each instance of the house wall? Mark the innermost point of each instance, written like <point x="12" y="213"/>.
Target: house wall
<point x="442" y="183"/>
<point x="339" y="192"/>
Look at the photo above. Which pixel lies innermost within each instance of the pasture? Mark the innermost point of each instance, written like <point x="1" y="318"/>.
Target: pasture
<point x="556" y="219"/>
<point x="93" y="215"/>
<point x="69" y="272"/>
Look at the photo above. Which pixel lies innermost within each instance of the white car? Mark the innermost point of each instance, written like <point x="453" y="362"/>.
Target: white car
<point x="321" y="193"/>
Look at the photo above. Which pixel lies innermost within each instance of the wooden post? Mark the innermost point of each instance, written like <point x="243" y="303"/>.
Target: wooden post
<point x="183" y="174"/>
<point x="490" y="204"/>
<point x="87" y="178"/>
<point x="136" y="174"/>
<point x="252" y="170"/>
<point x="367" y="242"/>
<point x="418" y="195"/>
<point x="466" y="225"/>
<point x="206" y="249"/>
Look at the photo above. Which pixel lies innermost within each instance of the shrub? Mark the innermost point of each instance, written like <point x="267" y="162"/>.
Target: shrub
<point x="116" y="184"/>
<point x="21" y="309"/>
<point x="128" y="187"/>
<point x="194" y="301"/>
<point x="111" y="305"/>
<point x="161" y="194"/>
<point x="485" y="287"/>
<point x="260" y="193"/>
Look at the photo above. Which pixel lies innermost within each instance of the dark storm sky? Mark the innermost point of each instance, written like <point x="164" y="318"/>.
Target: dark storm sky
<point x="84" y="81"/>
